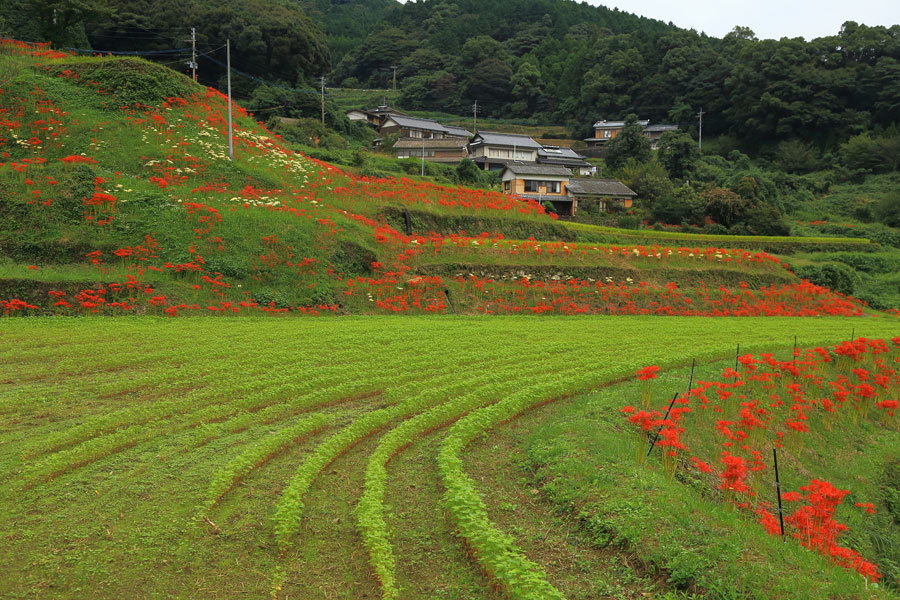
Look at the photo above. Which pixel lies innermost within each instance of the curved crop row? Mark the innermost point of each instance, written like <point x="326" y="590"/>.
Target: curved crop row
<point x="370" y="509"/>
<point x="289" y="509"/>
<point x="260" y="452"/>
<point x="495" y="551"/>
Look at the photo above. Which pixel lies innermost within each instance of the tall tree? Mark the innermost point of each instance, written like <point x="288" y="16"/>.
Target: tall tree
<point x="630" y="143"/>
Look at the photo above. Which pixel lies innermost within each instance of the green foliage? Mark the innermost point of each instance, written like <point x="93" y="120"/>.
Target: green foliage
<point x="274" y="41"/>
<point x="467" y="172"/>
<point x="648" y="179"/>
<point x="795" y="156"/>
<point x="132" y="80"/>
<point x="678" y="153"/>
<point x="61" y="22"/>
<point x="873" y="154"/>
<point x="837" y="277"/>
<point x="630" y="143"/>
<point x="888" y="209"/>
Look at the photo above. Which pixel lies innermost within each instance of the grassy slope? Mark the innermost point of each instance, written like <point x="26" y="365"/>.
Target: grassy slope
<point x="580" y="457"/>
<point x="130" y="513"/>
<point x="132" y="146"/>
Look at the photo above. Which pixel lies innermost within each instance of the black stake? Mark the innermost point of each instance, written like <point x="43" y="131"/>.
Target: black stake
<point x="795" y="346"/>
<point x="691" y="382"/>
<point x="656" y="438"/>
<point x="778" y="491"/>
<point x="408" y="222"/>
<point x="449" y="303"/>
<point x="853" y="334"/>
<point x="736" y="354"/>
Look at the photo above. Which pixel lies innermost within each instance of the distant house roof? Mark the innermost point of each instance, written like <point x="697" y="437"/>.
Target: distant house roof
<point x="452" y="142"/>
<point x="490" y="138"/>
<point x="414" y="123"/>
<point x="618" y="124"/>
<point x="598" y="187"/>
<point x="561" y="156"/>
<point x="379" y="111"/>
<point x="660" y="128"/>
<point x="536" y="169"/>
<point x="458" y="131"/>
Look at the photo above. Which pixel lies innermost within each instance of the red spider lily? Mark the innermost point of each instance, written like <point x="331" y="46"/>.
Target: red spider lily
<point x="868" y="507"/>
<point x="647" y="373"/>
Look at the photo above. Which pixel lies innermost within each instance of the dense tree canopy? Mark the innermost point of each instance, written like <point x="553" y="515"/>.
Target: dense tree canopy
<point x="574" y="63"/>
<point x="545" y="60"/>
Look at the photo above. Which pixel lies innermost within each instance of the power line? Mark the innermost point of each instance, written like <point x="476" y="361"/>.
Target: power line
<point x="257" y="79"/>
<point x="129" y="52"/>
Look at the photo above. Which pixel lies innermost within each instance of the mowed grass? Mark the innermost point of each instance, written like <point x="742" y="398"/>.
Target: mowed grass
<point x="112" y="430"/>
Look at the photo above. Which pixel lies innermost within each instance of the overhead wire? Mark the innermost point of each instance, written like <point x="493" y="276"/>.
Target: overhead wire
<point x="262" y="81"/>
<point x="129" y="52"/>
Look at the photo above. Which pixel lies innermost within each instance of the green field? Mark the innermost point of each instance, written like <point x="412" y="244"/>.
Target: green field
<point x="313" y="458"/>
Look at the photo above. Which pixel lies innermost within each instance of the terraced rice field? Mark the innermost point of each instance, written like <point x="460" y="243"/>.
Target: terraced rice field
<point x="318" y="458"/>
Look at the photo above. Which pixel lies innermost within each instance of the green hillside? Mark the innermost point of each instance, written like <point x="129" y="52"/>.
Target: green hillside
<point x="121" y="185"/>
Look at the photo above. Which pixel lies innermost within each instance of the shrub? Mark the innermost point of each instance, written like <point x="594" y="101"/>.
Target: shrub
<point x="837" y="277"/>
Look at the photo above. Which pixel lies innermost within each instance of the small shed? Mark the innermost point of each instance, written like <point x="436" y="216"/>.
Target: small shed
<point x="607" y="193"/>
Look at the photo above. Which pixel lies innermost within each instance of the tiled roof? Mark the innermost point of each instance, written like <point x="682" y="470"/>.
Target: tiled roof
<point x="430" y="143"/>
<point x="655" y="128"/>
<point x="598" y="187"/>
<point x="561" y="156"/>
<point x="536" y="169"/>
<point x="490" y="138"/>
<point x="416" y="123"/>
<point x="457" y="131"/>
<point x="613" y="124"/>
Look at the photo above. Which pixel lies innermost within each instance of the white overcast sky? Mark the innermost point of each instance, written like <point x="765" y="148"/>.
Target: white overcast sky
<point x="767" y="18"/>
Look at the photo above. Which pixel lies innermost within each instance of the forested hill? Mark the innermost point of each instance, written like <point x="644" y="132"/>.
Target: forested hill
<point x="548" y="61"/>
<point x="573" y="63"/>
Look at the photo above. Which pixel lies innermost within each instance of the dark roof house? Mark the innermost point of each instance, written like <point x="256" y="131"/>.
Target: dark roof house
<point x="566" y="157"/>
<point x="374" y="116"/>
<point x="446" y="150"/>
<point x="415" y="127"/>
<point x="606" y="193"/>
<point x="604" y="131"/>
<point x="492" y="151"/>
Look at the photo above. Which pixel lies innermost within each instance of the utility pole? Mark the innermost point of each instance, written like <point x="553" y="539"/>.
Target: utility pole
<point x="194" y="54"/>
<point x="475" y="116"/>
<point x="394" y="67"/>
<point x="230" y="132"/>
<point x="423" y="154"/>
<point x="700" y="141"/>
<point x="322" y="81"/>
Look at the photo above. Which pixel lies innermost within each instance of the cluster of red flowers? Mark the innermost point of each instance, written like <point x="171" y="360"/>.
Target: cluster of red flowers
<point x="328" y="196"/>
<point x="774" y="402"/>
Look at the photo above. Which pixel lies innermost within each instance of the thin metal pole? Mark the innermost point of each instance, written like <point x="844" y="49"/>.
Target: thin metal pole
<point x="691" y="382"/>
<point x="737" y="353"/>
<point x="230" y="131"/>
<point x="423" y="153"/>
<point x="322" y="81"/>
<point x="194" y="53"/>
<point x="700" y="140"/>
<point x="778" y="491"/>
<point x="656" y="438"/>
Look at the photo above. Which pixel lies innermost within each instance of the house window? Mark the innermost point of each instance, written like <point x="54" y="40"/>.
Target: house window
<point x="541" y="187"/>
<point x="506" y="185"/>
<point x="415" y="133"/>
<point x="607" y="133"/>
